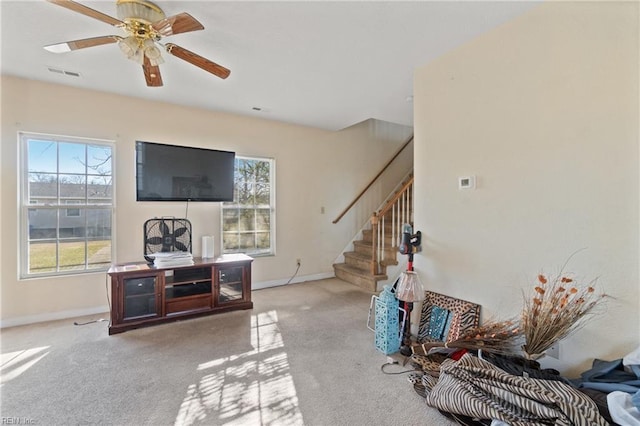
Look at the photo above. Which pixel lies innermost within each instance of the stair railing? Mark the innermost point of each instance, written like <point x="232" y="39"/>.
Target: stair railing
<point x="397" y="211"/>
<point x="355" y="200"/>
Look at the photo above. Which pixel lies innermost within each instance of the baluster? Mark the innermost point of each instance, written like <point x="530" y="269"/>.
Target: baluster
<point x="412" y="201"/>
<point x="406" y="201"/>
<point x="393" y="227"/>
<point x="399" y="224"/>
<point x="382" y="243"/>
<point x="374" y="243"/>
<point x="402" y="208"/>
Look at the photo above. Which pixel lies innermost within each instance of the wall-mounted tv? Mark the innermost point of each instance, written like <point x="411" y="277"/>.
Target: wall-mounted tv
<point x="179" y="173"/>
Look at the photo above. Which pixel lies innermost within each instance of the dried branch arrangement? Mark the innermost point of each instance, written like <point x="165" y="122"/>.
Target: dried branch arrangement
<point x="499" y="337"/>
<point x="557" y="307"/>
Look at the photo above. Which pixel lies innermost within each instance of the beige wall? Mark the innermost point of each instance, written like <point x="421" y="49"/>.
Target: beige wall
<point x="544" y="111"/>
<point x="314" y="169"/>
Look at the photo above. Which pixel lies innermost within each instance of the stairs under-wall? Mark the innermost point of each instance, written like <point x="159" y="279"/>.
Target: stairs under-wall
<point x="358" y="265"/>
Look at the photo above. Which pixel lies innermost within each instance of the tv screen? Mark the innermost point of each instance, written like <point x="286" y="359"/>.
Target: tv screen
<point x="179" y="173"/>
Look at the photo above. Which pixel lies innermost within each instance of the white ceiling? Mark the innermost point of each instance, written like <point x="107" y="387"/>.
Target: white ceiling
<point x="315" y="63"/>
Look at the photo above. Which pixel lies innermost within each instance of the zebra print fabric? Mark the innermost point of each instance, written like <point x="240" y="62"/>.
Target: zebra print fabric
<point x="476" y="388"/>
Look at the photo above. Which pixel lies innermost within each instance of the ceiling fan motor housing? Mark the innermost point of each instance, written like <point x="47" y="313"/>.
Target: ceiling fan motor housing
<point x="139" y="10"/>
<point x="138" y="16"/>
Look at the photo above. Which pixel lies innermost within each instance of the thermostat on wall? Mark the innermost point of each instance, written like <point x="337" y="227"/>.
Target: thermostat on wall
<point x="467" y="182"/>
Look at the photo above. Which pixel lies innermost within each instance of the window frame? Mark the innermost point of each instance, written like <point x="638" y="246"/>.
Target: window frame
<point x="60" y="206"/>
<point x="235" y="205"/>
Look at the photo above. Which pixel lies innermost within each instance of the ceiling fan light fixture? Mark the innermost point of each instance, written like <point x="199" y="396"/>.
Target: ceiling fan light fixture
<point x="129" y="46"/>
<point x="152" y="52"/>
<point x="140" y="10"/>
<point x="157" y="61"/>
<point x="138" y="57"/>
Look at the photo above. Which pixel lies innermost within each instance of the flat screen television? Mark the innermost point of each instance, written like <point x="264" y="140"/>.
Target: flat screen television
<point x="179" y="173"/>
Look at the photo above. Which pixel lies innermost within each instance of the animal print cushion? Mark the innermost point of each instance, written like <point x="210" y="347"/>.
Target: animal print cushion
<point x="443" y="318"/>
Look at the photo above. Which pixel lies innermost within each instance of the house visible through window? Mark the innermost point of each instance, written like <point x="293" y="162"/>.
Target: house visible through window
<point x="58" y="172"/>
<point x="248" y="223"/>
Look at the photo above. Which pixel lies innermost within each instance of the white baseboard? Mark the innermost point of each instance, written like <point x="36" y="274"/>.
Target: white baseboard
<point x="300" y="279"/>
<point x="53" y="316"/>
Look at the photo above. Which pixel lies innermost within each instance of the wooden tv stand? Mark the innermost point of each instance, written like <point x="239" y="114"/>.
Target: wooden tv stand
<point x="144" y="295"/>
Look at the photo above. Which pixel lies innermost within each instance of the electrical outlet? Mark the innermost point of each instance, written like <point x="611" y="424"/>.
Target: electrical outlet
<point x="554" y="351"/>
<point x="298" y="262"/>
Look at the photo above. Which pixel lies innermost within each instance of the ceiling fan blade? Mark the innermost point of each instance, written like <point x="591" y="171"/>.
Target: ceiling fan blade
<point x="198" y="60"/>
<point x="68" y="46"/>
<point x="87" y="11"/>
<point x="154" y="79"/>
<point x="181" y="23"/>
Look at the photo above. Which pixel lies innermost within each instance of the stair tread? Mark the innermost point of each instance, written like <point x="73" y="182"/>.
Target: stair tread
<point x="366" y="243"/>
<point x="362" y="243"/>
<point x="355" y="254"/>
<point x="366" y="257"/>
<point x="359" y="271"/>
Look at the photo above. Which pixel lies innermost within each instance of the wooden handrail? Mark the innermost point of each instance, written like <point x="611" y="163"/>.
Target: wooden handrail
<point x="355" y="200"/>
<point x="393" y="200"/>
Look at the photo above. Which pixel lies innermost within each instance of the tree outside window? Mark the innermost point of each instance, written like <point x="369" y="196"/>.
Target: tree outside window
<point x="57" y="172"/>
<point x="248" y="222"/>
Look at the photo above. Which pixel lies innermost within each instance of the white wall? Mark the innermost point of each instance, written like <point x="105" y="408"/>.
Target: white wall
<point x="314" y="169"/>
<point x="544" y="111"/>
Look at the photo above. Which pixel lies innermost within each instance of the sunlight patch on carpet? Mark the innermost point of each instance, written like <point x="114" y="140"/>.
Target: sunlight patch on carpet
<point x="254" y="387"/>
<point x="17" y="362"/>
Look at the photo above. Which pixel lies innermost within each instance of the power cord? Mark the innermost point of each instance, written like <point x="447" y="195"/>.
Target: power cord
<point x="89" y="322"/>
<point x="395" y="372"/>
<point x="294" y="274"/>
<point x="106" y="287"/>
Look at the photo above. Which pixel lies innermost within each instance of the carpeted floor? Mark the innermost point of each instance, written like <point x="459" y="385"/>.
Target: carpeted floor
<point x="302" y="356"/>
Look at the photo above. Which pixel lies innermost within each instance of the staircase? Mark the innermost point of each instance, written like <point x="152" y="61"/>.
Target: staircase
<point x="377" y="249"/>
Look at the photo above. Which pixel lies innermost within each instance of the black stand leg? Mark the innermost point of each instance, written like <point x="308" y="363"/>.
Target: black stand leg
<point x="405" y="348"/>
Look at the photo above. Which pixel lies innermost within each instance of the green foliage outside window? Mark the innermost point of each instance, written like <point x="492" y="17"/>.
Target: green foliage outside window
<point x="247" y="221"/>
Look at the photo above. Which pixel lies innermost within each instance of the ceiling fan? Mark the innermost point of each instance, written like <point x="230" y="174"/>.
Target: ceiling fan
<point x="145" y="25"/>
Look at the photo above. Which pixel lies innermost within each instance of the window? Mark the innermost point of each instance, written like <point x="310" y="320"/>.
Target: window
<point x="248" y="223"/>
<point x="72" y="212"/>
<point x="56" y="172"/>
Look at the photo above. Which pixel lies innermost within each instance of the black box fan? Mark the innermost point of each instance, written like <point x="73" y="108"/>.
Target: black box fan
<point x="166" y="234"/>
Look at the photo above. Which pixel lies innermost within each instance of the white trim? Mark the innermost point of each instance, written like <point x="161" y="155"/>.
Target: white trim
<point x="272" y="208"/>
<point x="300" y="279"/>
<point x="23" y="193"/>
<point x="53" y="316"/>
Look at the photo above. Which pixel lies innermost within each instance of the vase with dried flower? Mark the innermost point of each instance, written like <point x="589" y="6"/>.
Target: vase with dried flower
<point x="557" y="307"/>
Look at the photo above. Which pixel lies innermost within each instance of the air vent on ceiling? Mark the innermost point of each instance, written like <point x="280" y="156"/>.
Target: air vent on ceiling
<point x="64" y="72"/>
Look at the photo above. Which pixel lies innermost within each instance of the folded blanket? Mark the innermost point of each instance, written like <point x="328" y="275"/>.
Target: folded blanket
<point x="476" y="388"/>
<point x="610" y="376"/>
